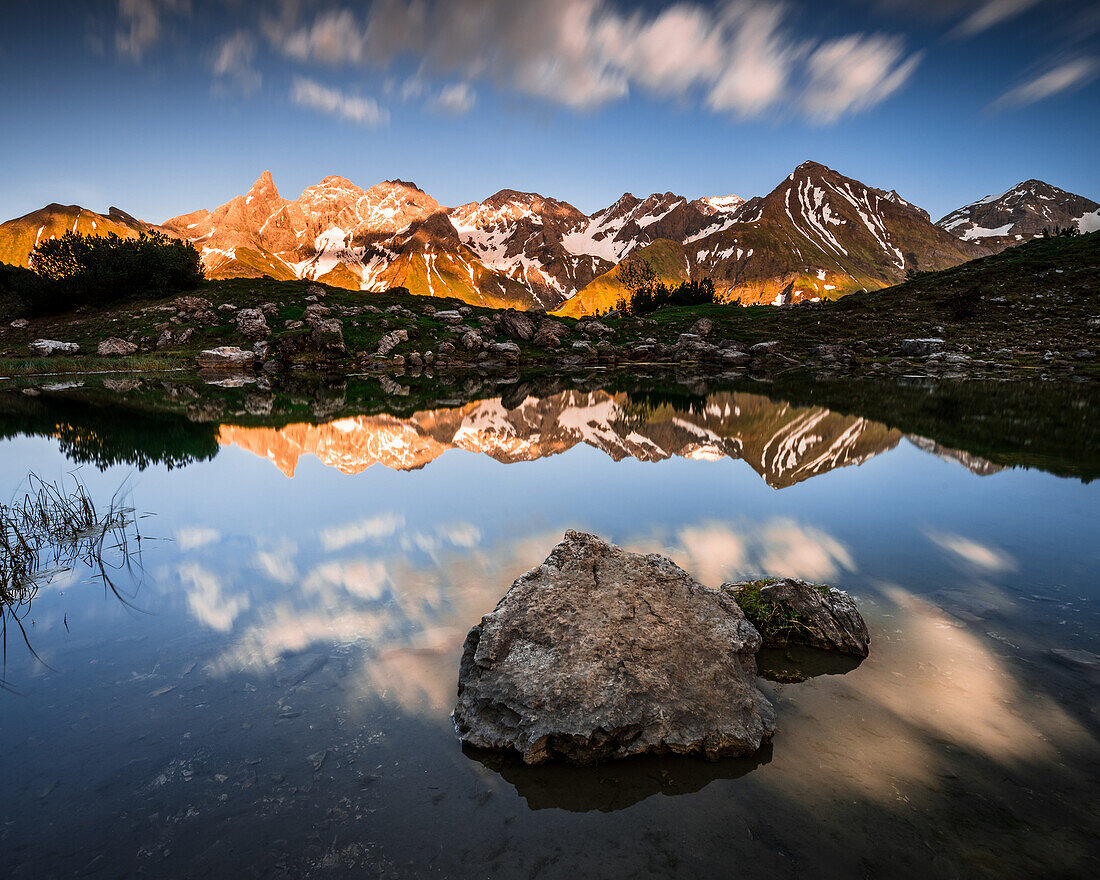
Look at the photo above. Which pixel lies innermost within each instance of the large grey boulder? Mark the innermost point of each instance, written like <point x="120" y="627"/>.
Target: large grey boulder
<point x="599" y="653"/>
<point x="921" y="347"/>
<point x="115" y="347"/>
<point x="226" y="357"/>
<point x="252" y="323"/>
<point x="516" y="325"/>
<point x="328" y="335"/>
<point x="46" y="347"/>
<point x="791" y="611"/>
<point x="390" y="341"/>
<point x="192" y="304"/>
<point x="508" y="351"/>
<point x="550" y="334"/>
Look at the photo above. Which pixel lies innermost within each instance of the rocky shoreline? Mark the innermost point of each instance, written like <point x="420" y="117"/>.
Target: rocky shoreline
<point x="1029" y="312"/>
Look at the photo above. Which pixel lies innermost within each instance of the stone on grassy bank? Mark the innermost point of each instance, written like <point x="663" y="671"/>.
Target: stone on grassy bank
<point x="47" y="347"/>
<point x="599" y="653"/>
<point x="226" y="357"/>
<point x="115" y="347"/>
<point x="252" y="324"/>
<point x="790" y="611"/>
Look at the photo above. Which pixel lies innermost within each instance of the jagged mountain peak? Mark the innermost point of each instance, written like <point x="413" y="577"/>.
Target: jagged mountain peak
<point x="264" y="185"/>
<point x="710" y="205"/>
<point x="1020" y="214"/>
<point x="509" y="206"/>
<point x="810" y="167"/>
<point x="405" y="184"/>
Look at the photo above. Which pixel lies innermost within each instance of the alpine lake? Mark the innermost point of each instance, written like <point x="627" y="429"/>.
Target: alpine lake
<point x="249" y="669"/>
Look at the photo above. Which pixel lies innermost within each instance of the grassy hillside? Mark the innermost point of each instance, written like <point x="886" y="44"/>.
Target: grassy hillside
<point x="667" y="258"/>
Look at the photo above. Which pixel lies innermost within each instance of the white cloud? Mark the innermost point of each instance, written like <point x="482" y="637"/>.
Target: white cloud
<point x="755" y="75"/>
<point x="234" y="62"/>
<point x="140" y="24"/>
<point x="361" y="111"/>
<point x="738" y="57"/>
<point x="853" y="73"/>
<point x="1064" y="76"/>
<point x="991" y="13"/>
<point x="456" y="99"/>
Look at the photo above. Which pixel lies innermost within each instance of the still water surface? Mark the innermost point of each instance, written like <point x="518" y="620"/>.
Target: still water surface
<point x="275" y="699"/>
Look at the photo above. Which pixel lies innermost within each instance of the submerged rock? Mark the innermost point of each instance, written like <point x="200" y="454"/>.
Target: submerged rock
<point x="790" y="611"/>
<point x="599" y="653"/>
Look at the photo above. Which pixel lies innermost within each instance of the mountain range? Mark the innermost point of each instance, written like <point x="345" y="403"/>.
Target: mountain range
<point x="817" y="235"/>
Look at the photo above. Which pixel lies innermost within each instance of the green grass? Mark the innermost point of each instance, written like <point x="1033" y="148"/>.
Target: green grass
<point x="776" y="622"/>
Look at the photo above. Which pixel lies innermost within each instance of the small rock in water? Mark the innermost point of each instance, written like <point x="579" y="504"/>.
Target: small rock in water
<point x="1077" y="657"/>
<point x="599" y="653"/>
<point x="790" y="611"/>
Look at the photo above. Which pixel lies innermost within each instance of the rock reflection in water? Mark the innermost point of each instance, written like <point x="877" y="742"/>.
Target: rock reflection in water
<point x="797" y="663"/>
<point x="613" y="785"/>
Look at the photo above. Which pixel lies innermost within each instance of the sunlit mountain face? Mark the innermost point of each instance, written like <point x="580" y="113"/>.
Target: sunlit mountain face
<point x="783" y="443"/>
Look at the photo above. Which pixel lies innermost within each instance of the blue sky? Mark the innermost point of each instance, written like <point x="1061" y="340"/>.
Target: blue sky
<point x="164" y="106"/>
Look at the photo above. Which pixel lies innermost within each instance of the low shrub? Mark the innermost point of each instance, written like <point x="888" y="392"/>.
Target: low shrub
<point x="77" y="270"/>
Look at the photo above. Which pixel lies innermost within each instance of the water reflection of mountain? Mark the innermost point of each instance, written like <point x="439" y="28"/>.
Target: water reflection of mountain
<point x="785" y="444"/>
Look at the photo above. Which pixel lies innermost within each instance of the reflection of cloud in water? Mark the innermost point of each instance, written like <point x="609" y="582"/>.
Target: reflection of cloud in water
<point x="712" y="550"/>
<point x="193" y="537"/>
<point x="715" y="551"/>
<point x="983" y="556"/>
<point x="931" y="692"/>
<point x="278" y="563"/>
<point x="881" y="731"/>
<point x="410" y="619"/>
<point x="207" y="598"/>
<point x="802" y="551"/>
<point x="363" y="578"/>
<point x="370" y="529"/>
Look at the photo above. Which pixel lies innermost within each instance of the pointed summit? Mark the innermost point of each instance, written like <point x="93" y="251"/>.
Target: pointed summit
<point x="264" y="186"/>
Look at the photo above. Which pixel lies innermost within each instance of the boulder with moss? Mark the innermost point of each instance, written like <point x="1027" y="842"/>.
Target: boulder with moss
<point x="790" y="611"/>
